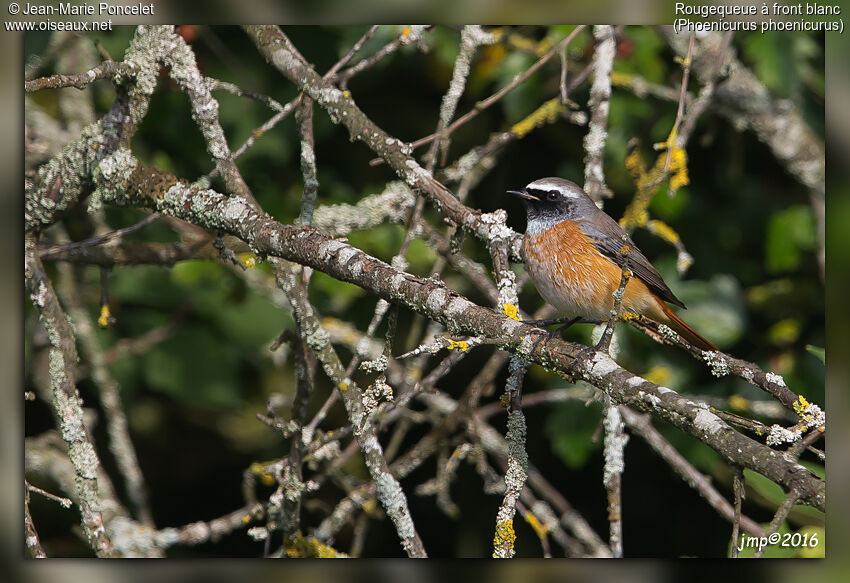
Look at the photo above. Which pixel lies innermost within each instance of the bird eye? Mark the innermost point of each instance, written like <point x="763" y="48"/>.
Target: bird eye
<point x="552" y="195"/>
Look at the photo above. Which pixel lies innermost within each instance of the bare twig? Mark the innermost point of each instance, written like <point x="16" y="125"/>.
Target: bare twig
<point x="739" y="491"/>
<point x="105" y="70"/>
<point x="516" y="82"/>
<point x="61" y="500"/>
<point x="778" y="518"/>
<point x="31" y="538"/>
<point x="49" y="251"/>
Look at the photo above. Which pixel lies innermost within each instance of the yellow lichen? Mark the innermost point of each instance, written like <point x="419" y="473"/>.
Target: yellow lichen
<point x="105" y="317"/>
<point x="620" y="79"/>
<point x="663" y="230"/>
<point x="543" y="46"/>
<point x="505" y="536"/>
<point x="634" y="163"/>
<point x="739" y="403"/>
<point x="343" y="386"/>
<point x="511" y="311"/>
<point x="259" y="470"/>
<point x="800" y="405"/>
<point x="490" y="57"/>
<point x="660" y="375"/>
<point x="247" y="259"/>
<point x="629" y="316"/>
<point x="546" y="113"/>
<point x="647" y="181"/>
<point x="679" y="169"/>
<point x="522" y="43"/>
<point x="541" y="529"/>
<point x="498" y="33"/>
<point x="309" y="547"/>
<point x="461" y="345"/>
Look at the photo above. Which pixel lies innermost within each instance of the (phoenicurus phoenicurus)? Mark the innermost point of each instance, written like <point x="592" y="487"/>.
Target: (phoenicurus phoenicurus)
<point x="572" y="251"/>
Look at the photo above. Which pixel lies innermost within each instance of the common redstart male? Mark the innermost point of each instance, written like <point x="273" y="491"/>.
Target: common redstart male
<point x="572" y="251"/>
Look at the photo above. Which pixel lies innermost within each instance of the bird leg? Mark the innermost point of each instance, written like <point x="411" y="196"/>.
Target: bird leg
<point x="604" y="343"/>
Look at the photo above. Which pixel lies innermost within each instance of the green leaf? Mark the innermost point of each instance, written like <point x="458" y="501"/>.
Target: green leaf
<point x="769" y="490"/>
<point x="790" y="232"/>
<point x="570" y="428"/>
<point x="818" y="352"/>
<point x="194" y="366"/>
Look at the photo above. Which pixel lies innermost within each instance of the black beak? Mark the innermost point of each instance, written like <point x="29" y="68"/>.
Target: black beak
<point x="523" y="194"/>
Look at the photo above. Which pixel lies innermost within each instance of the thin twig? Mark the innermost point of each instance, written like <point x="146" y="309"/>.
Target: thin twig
<point x="106" y="69"/>
<point x="683" y="91"/>
<point x="63" y="502"/>
<point x="739" y="491"/>
<point x="408" y="35"/>
<point x="516" y="82"/>
<point x="92" y="241"/>
<point x="778" y="519"/>
<point x="31" y="538"/>
<point x="355" y="48"/>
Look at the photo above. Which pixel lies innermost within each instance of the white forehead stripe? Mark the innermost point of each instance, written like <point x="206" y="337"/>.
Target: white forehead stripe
<point x="568" y="190"/>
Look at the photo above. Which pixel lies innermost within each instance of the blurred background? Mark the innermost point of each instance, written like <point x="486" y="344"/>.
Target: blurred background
<point x="755" y="287"/>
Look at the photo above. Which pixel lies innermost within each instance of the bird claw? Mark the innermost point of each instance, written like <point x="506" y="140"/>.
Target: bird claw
<point x="547" y="335"/>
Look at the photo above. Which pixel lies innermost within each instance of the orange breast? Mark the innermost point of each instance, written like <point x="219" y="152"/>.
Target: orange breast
<point x="573" y="276"/>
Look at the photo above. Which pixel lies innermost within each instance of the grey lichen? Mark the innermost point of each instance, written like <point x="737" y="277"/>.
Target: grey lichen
<point x="395" y="502"/>
<point x="718" y="363"/>
<point x="110" y="176"/>
<point x="708" y="422"/>
<point x="779" y="435"/>
<point x="318" y="340"/>
<point x="615" y="444"/>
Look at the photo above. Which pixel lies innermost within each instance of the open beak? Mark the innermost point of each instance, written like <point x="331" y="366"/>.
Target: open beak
<point x="523" y="194"/>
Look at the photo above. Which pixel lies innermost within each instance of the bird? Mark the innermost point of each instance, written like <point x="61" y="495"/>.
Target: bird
<point x="574" y="254"/>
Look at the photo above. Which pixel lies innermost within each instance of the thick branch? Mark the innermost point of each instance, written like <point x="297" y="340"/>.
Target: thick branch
<point x="155" y="189"/>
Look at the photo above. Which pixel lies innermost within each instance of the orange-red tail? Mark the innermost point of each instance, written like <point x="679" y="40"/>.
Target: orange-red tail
<point x="685" y="331"/>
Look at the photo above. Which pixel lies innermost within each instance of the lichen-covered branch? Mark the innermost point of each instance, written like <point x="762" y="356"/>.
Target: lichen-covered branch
<point x="615" y="464"/>
<point x="128" y="183"/>
<point x="66" y="402"/>
<point x="389" y="490"/>
<point x="503" y="541"/>
<point x="600" y="95"/>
